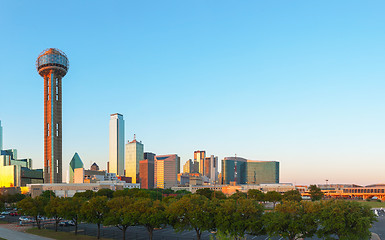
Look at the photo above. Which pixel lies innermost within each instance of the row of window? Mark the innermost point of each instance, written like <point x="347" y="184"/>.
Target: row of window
<point x="373" y="190"/>
<point x="52" y="58"/>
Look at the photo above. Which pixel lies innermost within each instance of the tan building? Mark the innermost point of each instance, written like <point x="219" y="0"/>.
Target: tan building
<point x="166" y="170"/>
<point x="69" y="190"/>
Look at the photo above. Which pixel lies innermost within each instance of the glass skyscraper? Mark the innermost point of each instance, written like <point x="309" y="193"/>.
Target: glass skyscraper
<point x="116" y="158"/>
<point x="243" y="171"/>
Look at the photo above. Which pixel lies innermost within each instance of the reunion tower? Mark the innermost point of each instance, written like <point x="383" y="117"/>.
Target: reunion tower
<point x="52" y="64"/>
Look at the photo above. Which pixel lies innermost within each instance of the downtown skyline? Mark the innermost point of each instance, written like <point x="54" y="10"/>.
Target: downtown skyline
<point x="299" y="83"/>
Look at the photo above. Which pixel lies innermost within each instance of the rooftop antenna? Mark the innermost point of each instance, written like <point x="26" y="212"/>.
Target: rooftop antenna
<point x="134" y="136"/>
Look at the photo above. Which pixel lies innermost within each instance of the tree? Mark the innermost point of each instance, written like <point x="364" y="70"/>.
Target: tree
<point x="95" y="210"/>
<point x="48" y="194"/>
<point x="292" y="195"/>
<point x="207" y="192"/>
<point x="292" y="220"/>
<point x="150" y="214"/>
<point x="273" y="196"/>
<point x="191" y="212"/>
<point x="33" y="207"/>
<point x="105" y="192"/>
<point x="71" y="208"/>
<point x="54" y="209"/>
<point x="238" y="195"/>
<point x="88" y="194"/>
<point x="133" y="193"/>
<point x="315" y="193"/>
<point x="218" y="195"/>
<point x="238" y="217"/>
<point x="348" y="220"/>
<point x="255" y="194"/>
<point x="120" y="213"/>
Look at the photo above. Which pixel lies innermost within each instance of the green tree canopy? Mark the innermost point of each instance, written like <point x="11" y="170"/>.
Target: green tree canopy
<point x="292" y="220"/>
<point x="273" y="196"/>
<point x="33" y="207"/>
<point x="292" y="195"/>
<point x="238" y="195"/>
<point x="120" y="213"/>
<point x="256" y="194"/>
<point x="150" y="214"/>
<point x="348" y="220"/>
<point x="218" y="195"/>
<point x="105" y="192"/>
<point x="207" y="192"/>
<point x="238" y="217"/>
<point x="88" y="194"/>
<point x="191" y="212"/>
<point x="54" y="209"/>
<point x="48" y="194"/>
<point x="95" y="210"/>
<point x="315" y="193"/>
<point x="72" y="210"/>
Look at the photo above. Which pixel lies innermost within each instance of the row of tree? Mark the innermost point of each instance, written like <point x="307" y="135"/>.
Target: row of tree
<point x="234" y="217"/>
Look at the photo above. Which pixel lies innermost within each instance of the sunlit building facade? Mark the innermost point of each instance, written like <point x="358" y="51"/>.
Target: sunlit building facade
<point x="134" y="154"/>
<point x="166" y="170"/>
<point x="17" y="172"/>
<point x="199" y="157"/>
<point x="75" y="163"/>
<point x="116" y="156"/>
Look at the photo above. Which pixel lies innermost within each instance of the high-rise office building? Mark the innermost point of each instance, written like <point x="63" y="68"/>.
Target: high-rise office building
<point x="211" y="168"/>
<point x="52" y="64"/>
<point x="134" y="154"/>
<point x="166" y="170"/>
<point x="75" y="163"/>
<point x="146" y="171"/>
<point x="188" y="167"/>
<point x="116" y="158"/>
<point x="1" y="137"/>
<point x="243" y="171"/>
<point x="199" y="157"/>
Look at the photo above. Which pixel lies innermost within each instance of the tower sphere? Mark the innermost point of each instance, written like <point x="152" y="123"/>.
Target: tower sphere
<point x="52" y="59"/>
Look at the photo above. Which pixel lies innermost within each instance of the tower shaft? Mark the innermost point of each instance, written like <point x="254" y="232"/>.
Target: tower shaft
<point x="52" y="126"/>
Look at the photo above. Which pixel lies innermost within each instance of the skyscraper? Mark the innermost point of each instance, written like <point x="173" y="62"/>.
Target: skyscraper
<point x="146" y="171"/>
<point x="166" y="170"/>
<point x="134" y="154"/>
<point x="210" y="168"/>
<point x="52" y="64"/>
<point x="1" y="137"/>
<point x="199" y="157"/>
<point x="75" y="162"/>
<point x="116" y="159"/>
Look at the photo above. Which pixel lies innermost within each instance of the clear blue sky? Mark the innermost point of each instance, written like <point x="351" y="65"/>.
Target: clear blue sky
<point x="301" y="82"/>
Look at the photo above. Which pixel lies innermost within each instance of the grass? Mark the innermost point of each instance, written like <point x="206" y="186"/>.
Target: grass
<point x="3" y="222"/>
<point x="60" y="235"/>
<point x="373" y="204"/>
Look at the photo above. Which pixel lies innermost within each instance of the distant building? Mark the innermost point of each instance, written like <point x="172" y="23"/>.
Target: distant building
<point x="17" y="172"/>
<point x="199" y="157"/>
<point x="75" y="163"/>
<point x="134" y="154"/>
<point x="94" y="167"/>
<point x="211" y="168"/>
<point x="116" y="158"/>
<point x="69" y="190"/>
<point x="243" y="171"/>
<point x="146" y="174"/>
<point x="166" y="169"/>
<point x="188" y="167"/>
